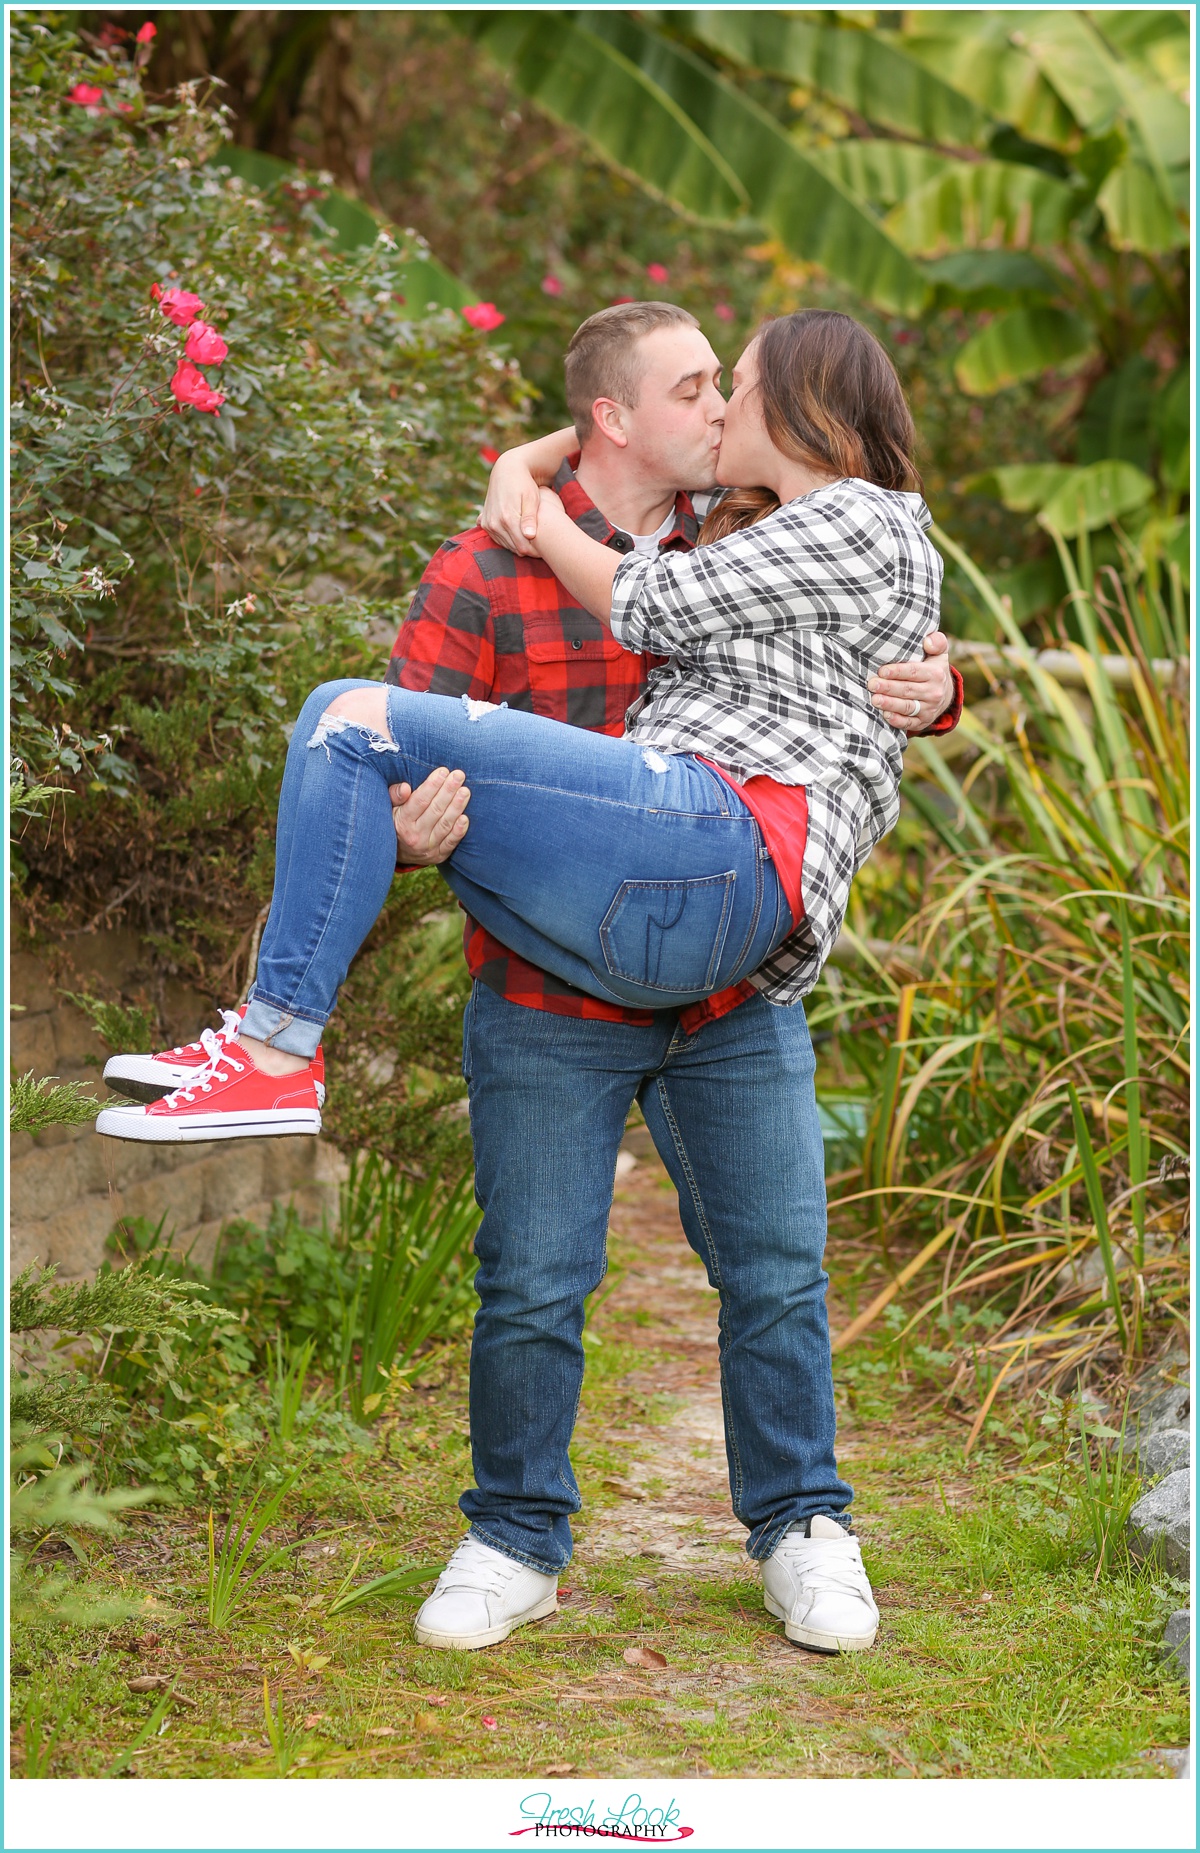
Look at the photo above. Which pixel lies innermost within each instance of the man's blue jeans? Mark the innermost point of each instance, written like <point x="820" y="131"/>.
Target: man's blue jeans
<point x="641" y="877"/>
<point x="733" y="1113"/>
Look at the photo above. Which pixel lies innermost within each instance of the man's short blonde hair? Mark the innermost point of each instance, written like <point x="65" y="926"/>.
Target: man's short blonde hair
<point x="602" y="360"/>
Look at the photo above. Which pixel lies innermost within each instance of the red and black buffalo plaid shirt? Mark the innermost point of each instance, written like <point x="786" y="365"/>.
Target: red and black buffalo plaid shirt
<point x="496" y="626"/>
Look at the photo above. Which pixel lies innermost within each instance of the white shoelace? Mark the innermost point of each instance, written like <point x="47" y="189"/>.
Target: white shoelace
<point x="822" y="1570"/>
<point x="219" y="1053"/>
<point x="476" y="1570"/>
<point x="231" y="1023"/>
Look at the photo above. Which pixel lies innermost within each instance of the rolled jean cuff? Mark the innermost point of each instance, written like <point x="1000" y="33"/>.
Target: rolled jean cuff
<point x="267" y="1022"/>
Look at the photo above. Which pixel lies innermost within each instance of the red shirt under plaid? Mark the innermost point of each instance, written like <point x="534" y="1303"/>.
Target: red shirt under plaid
<point x="497" y="626"/>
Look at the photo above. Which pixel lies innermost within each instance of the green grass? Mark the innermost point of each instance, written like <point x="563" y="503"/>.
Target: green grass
<point x="1002" y="1653"/>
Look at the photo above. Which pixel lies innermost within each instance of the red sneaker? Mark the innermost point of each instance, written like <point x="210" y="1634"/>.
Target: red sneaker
<point x="152" y="1077"/>
<point x="231" y="1099"/>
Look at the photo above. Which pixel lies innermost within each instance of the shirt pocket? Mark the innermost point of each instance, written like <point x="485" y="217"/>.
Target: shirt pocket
<point x="587" y="681"/>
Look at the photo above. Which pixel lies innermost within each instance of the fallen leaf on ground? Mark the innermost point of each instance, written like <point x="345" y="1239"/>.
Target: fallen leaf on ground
<point x="564" y="1594"/>
<point x="488" y="1722"/>
<point x="315" y="1717"/>
<point x="432" y="1701"/>
<point x="626" y="1488"/>
<point x="559" y="1769"/>
<point x="644" y="1656"/>
<point x="146" y="1643"/>
<point x="247" y="1670"/>
<point x="382" y="1730"/>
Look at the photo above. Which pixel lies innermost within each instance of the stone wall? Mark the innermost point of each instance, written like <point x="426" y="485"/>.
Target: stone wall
<point x="68" y="1187"/>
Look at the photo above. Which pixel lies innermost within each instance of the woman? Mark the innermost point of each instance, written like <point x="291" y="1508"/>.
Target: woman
<point x="717" y="839"/>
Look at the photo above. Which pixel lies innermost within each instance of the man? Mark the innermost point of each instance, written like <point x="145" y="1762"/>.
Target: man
<point x="726" y="1086"/>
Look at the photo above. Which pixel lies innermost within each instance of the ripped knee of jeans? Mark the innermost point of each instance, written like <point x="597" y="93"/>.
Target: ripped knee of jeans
<point x="652" y="760"/>
<point x="331" y="724"/>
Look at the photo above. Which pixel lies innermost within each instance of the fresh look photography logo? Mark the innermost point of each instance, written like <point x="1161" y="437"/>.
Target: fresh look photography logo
<point x="632" y="1819"/>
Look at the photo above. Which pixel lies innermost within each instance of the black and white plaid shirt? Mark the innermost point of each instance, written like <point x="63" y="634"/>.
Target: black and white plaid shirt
<point x="771" y="635"/>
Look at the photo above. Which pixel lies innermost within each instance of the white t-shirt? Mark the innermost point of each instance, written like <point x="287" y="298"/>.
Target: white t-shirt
<point x="647" y="544"/>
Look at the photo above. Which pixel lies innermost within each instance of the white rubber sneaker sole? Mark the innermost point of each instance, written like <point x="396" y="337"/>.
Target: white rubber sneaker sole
<point x="193" y="1128"/>
<point x="487" y="1637"/>
<point x="141" y="1077"/>
<point x="812" y="1637"/>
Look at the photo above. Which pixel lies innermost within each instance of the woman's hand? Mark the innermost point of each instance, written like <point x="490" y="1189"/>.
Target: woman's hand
<point x="510" y="510"/>
<point x="912" y="695"/>
<point x="586" y="567"/>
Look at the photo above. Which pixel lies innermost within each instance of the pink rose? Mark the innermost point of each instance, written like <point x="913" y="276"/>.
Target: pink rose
<point x="483" y="315"/>
<point x="551" y="286"/>
<point x="657" y="273"/>
<point x="191" y="388"/>
<point x="180" y="306"/>
<point x="724" y="313"/>
<point x="88" y="96"/>
<point x="205" y="345"/>
<point x="147" y="32"/>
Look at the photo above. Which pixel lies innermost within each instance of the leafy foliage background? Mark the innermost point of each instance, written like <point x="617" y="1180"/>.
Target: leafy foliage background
<point x="181" y="580"/>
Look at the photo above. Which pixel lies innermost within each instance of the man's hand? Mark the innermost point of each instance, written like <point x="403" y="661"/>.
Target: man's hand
<point x="430" y="821"/>
<point x="912" y="695"/>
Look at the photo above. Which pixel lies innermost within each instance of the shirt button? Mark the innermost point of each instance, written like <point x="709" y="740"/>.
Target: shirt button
<point x="577" y="643"/>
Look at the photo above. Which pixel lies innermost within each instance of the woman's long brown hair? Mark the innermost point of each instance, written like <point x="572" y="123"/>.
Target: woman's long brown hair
<point x="831" y="399"/>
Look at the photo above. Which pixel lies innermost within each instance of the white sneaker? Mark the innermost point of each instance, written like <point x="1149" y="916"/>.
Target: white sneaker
<point x="481" y="1596"/>
<point x="819" y="1590"/>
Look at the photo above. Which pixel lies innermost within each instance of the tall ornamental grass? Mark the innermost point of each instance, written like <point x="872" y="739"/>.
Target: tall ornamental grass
<point x="1023" y="1038"/>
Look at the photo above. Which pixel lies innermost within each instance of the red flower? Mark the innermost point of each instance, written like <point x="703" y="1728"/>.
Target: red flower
<point x="619" y="299"/>
<point x="191" y="388"/>
<point x="205" y="345"/>
<point x="657" y="273"/>
<point x="483" y="315"/>
<point x="551" y="286"/>
<point x="488" y="1722"/>
<point x="88" y="96"/>
<point x="179" y="306"/>
<point x="489" y="455"/>
<point x="147" y="32"/>
<point x="724" y="313"/>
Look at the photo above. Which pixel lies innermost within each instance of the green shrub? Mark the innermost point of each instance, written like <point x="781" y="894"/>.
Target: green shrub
<point x="182" y="579"/>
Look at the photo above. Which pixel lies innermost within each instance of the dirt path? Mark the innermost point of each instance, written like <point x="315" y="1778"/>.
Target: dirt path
<point x="677" y="1508"/>
<point x="684" y="1512"/>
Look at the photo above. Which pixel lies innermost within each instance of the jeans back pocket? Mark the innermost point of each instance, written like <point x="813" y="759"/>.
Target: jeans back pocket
<point x="669" y="935"/>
